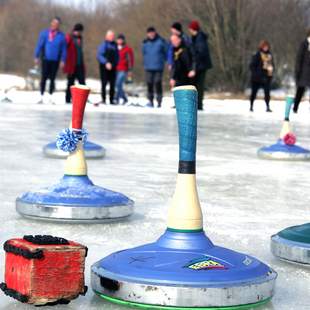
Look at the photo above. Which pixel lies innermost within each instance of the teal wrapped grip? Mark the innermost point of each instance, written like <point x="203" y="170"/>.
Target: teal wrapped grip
<point x="289" y="101"/>
<point x="186" y="107"/>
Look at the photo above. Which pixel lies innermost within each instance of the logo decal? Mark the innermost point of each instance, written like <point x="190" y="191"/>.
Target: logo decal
<point x="247" y="261"/>
<point x="205" y="263"/>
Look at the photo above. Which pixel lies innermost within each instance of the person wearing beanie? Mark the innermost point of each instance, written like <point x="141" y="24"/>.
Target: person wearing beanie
<point x="108" y="57"/>
<point x="199" y="42"/>
<point x="154" y="52"/>
<point x="177" y="29"/>
<point x="302" y="70"/>
<point x="124" y="67"/>
<point x="74" y="66"/>
<point x="183" y="67"/>
<point x="194" y="25"/>
<point x="51" y="49"/>
<point x="262" y="70"/>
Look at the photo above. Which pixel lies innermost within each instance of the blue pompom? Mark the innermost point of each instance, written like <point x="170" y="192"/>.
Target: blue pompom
<point x="84" y="135"/>
<point x="67" y="140"/>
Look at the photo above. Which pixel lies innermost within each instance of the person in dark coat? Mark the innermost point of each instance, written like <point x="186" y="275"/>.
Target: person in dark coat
<point x="262" y="69"/>
<point x="154" y="52"/>
<point x="183" y="66"/>
<point x="51" y="49"/>
<point x="199" y="41"/>
<point x="177" y="29"/>
<point x="108" y="57"/>
<point x="74" y="66"/>
<point x="302" y="70"/>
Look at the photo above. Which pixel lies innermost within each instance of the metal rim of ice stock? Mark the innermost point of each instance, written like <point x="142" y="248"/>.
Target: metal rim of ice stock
<point x="84" y="214"/>
<point x="292" y="251"/>
<point x="229" y="296"/>
<point x="283" y="156"/>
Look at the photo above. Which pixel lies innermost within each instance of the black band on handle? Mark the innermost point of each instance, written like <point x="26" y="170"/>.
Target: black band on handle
<point x="187" y="167"/>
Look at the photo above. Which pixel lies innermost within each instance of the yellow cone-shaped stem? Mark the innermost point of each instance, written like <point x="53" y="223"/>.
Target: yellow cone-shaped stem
<point x="185" y="211"/>
<point x="286" y="128"/>
<point x="76" y="163"/>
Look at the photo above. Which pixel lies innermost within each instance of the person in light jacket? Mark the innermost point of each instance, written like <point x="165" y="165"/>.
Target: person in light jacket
<point x="154" y="52"/>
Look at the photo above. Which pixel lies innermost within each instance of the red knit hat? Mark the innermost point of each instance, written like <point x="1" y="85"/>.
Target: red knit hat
<point x="194" y="25"/>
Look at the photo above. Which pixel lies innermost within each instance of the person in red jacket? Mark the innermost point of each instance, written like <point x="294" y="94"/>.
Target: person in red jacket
<point x="124" y="67"/>
<point x="74" y="66"/>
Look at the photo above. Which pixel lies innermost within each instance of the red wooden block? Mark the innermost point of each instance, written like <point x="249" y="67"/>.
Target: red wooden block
<point x="43" y="270"/>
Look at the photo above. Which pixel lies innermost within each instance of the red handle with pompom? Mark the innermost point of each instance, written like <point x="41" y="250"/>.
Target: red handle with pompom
<point x="79" y="98"/>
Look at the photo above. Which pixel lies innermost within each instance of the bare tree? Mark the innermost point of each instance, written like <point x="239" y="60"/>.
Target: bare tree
<point x="234" y="27"/>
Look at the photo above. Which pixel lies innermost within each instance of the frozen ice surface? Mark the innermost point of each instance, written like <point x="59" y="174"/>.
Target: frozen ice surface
<point x="244" y="199"/>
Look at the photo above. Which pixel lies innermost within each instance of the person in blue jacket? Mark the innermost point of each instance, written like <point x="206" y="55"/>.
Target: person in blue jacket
<point x="51" y="48"/>
<point x="108" y="57"/>
<point x="154" y="51"/>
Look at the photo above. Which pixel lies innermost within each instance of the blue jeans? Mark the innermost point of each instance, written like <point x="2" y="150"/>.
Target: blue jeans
<point x="120" y="80"/>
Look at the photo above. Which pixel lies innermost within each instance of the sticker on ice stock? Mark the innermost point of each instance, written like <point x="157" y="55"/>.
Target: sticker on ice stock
<point x="247" y="261"/>
<point x="205" y="263"/>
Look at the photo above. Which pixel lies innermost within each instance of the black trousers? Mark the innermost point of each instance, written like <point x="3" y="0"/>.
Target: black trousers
<point x="78" y="74"/>
<point x="199" y="83"/>
<point x="154" y="79"/>
<point x="184" y="81"/>
<point x="107" y="76"/>
<point x="49" y="71"/>
<point x="255" y="86"/>
<point x="299" y="94"/>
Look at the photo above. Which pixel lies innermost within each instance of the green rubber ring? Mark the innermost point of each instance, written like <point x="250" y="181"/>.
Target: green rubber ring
<point x="146" y="306"/>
